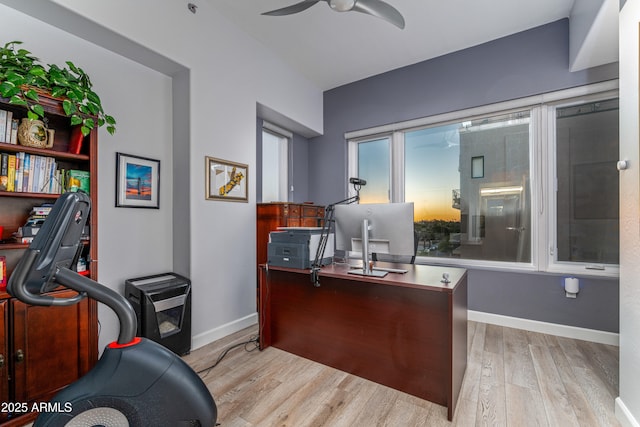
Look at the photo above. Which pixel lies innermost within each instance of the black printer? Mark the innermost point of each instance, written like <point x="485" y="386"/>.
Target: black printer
<point x="296" y="247"/>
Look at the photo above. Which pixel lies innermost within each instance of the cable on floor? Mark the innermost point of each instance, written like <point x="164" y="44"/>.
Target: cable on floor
<point x="249" y="346"/>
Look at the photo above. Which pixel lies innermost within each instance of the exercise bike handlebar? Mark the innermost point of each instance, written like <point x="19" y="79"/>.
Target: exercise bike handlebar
<point x="84" y="286"/>
<point x="116" y="302"/>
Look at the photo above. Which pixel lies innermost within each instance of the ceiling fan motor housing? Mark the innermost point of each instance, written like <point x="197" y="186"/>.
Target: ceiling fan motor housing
<point x="342" y="5"/>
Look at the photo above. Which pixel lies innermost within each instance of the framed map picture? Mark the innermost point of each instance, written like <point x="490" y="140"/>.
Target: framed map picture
<point x="137" y="182"/>
<point x="226" y="180"/>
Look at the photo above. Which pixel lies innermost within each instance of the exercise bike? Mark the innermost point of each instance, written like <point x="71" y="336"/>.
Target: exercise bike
<point x="136" y="382"/>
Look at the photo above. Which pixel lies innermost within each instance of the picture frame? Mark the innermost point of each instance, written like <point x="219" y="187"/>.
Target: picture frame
<point x="137" y="182"/>
<point x="226" y="180"/>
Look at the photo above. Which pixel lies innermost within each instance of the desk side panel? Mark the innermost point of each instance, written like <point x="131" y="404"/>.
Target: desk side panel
<point x="458" y="342"/>
<point x="264" y="308"/>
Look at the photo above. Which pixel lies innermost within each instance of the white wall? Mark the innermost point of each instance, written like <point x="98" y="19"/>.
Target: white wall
<point x="229" y="73"/>
<point x="628" y="404"/>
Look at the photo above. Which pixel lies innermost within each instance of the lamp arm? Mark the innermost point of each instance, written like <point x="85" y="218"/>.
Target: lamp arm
<point x="324" y="235"/>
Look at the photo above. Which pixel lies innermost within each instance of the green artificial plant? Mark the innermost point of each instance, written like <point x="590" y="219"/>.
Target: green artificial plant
<point x="21" y="74"/>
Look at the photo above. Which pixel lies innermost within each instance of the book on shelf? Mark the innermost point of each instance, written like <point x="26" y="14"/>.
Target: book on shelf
<point x="8" y="127"/>
<point x="3" y="272"/>
<point x="19" y="171"/>
<point x="11" y="184"/>
<point x="30" y="173"/>
<point x="14" y="131"/>
<point x="26" y="171"/>
<point x="4" y="171"/>
<point x="78" y="180"/>
<point x="43" y="209"/>
<point x="7" y="137"/>
<point x="3" y="125"/>
<point x="34" y="174"/>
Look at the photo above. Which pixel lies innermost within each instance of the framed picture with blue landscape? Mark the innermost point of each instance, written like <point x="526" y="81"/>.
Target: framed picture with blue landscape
<point x="137" y="182"/>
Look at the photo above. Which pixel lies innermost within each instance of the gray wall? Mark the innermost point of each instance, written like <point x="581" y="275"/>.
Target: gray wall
<point x="528" y="63"/>
<point x="541" y="297"/>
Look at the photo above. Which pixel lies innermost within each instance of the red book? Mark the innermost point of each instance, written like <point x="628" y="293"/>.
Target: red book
<point x="3" y="273"/>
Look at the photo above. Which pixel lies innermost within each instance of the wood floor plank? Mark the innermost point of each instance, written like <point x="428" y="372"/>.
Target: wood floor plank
<point x="513" y="378"/>
<point x="290" y="381"/>
<point x="465" y="415"/>
<point x="471" y="381"/>
<point x="556" y="400"/>
<point x="518" y="365"/>
<point x="525" y="407"/>
<point x="579" y="401"/>
<point x="416" y="411"/>
<point x="378" y="406"/>
<point x="406" y="414"/>
<point x="491" y="410"/>
<point x="493" y="341"/>
<point x="303" y="398"/>
<point x="600" y="401"/>
<point x="604" y="363"/>
<point x="355" y="399"/>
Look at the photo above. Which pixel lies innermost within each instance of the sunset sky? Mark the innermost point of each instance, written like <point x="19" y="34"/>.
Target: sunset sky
<point x="431" y="168"/>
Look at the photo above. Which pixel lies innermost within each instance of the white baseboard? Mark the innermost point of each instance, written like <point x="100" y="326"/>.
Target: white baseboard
<point x="212" y="335"/>
<point x="574" y="332"/>
<point x="624" y="415"/>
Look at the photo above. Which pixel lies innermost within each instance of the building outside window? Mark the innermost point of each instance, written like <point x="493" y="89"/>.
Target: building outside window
<point x="587" y="198"/>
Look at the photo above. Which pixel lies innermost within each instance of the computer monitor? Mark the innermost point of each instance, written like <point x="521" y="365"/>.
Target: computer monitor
<point x="389" y="229"/>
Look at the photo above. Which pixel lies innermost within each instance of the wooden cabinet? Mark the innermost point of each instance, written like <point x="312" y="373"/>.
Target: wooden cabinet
<point x="43" y="349"/>
<point x="33" y="347"/>
<point x="270" y="216"/>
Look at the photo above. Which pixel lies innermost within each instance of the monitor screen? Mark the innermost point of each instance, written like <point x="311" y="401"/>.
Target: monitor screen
<point x="390" y="228"/>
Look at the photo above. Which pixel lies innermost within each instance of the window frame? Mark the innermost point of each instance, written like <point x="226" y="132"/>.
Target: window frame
<point x="542" y="145"/>
<point x="551" y="262"/>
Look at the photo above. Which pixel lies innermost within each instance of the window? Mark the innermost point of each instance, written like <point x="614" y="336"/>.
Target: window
<point x="586" y="198"/>
<point x="483" y="181"/>
<point x="374" y="166"/>
<point x="275" y="152"/>
<point x="462" y="211"/>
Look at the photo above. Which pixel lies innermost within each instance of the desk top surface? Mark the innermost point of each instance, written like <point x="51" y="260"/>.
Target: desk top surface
<point x="417" y="276"/>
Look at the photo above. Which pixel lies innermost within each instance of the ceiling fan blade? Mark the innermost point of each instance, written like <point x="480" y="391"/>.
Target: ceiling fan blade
<point x="289" y="10"/>
<point x="381" y="10"/>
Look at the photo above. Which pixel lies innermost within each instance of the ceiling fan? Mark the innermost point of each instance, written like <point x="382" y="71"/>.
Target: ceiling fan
<point x="371" y="7"/>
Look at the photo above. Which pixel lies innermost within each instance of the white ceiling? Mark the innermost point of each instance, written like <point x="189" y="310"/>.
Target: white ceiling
<point x="333" y="48"/>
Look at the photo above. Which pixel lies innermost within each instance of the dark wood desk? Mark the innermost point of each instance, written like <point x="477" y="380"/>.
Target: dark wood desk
<point x="406" y="331"/>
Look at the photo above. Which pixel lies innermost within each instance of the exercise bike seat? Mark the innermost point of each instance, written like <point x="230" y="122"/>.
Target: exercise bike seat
<point x="142" y="384"/>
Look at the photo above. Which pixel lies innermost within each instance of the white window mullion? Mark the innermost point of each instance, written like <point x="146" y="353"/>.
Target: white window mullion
<point x="397" y="167"/>
<point x="352" y="165"/>
<point x="548" y="248"/>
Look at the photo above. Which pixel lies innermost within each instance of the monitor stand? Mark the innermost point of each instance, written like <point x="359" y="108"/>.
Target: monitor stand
<point x="366" y="269"/>
<point x="373" y="273"/>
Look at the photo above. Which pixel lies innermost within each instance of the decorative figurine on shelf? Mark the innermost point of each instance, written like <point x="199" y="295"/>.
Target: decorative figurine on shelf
<point x="34" y="133"/>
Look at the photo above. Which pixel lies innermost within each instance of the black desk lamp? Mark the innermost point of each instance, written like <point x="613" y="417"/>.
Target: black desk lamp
<point x="326" y="227"/>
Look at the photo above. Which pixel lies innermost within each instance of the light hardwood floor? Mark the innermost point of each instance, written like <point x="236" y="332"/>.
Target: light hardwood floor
<point x="513" y="378"/>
